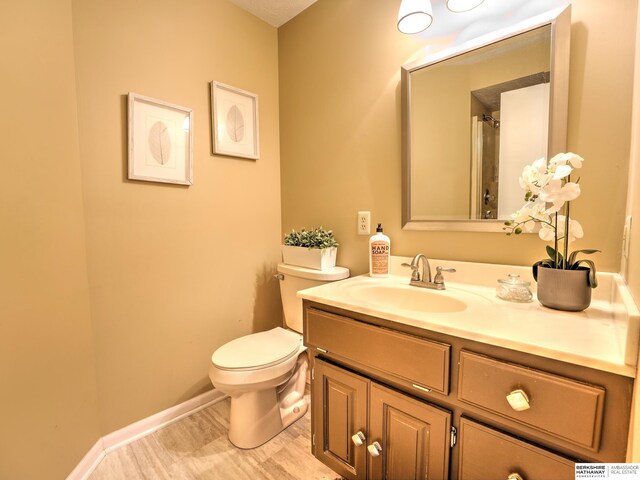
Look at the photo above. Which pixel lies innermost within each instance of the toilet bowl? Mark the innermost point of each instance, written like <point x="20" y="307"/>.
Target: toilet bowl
<point x="265" y="373"/>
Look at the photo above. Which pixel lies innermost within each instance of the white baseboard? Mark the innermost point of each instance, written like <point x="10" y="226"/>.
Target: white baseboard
<point x="148" y="425"/>
<point x="139" y="429"/>
<point x="89" y="462"/>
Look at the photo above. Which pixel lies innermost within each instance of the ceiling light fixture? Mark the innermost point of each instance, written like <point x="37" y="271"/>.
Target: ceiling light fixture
<point x="458" y="6"/>
<point x="414" y="16"/>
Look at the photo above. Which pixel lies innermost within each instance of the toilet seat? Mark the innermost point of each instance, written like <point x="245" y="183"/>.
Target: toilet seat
<point x="258" y="350"/>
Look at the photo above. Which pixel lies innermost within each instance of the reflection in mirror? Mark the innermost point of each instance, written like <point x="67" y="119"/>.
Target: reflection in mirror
<point x="474" y="117"/>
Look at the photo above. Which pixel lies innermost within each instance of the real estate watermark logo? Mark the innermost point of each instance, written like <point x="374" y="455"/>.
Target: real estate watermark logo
<point x="626" y="471"/>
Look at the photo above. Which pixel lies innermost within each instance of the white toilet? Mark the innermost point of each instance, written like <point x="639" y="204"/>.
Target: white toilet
<point x="265" y="373"/>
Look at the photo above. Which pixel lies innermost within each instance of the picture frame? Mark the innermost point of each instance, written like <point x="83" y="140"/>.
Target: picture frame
<point x="235" y="122"/>
<point x="160" y="136"/>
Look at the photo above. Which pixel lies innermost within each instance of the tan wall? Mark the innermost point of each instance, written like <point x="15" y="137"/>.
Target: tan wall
<point x="631" y="266"/>
<point x="174" y="271"/>
<point x="48" y="404"/>
<point x="340" y="122"/>
<point x="435" y="192"/>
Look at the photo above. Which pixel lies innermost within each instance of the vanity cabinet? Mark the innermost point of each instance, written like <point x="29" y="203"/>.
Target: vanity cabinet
<point x="444" y="407"/>
<point x="365" y="430"/>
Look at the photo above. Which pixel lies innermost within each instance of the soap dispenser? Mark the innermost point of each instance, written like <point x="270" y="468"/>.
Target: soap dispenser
<point x="379" y="251"/>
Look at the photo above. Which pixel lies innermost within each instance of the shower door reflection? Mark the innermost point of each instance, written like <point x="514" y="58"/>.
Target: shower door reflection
<point x="509" y="129"/>
<point x="485" y="165"/>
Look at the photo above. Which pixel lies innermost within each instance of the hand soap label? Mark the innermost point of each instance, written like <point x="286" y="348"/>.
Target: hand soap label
<point x="379" y="251"/>
<point x="379" y="257"/>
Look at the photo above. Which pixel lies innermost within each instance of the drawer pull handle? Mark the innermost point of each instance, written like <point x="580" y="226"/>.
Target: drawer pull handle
<point x="420" y="387"/>
<point x="358" y="439"/>
<point x="374" y="449"/>
<point x="515" y="476"/>
<point x="322" y="350"/>
<point x="519" y="401"/>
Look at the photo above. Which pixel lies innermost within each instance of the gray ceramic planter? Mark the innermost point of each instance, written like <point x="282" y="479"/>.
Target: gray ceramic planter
<point x="566" y="290"/>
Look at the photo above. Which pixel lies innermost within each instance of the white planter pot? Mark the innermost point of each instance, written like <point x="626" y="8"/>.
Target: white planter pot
<point x="318" y="259"/>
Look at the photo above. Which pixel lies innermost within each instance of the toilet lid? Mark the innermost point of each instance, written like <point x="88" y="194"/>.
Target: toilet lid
<point x="258" y="350"/>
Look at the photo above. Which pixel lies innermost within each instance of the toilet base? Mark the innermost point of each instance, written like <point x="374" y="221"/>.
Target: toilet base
<point x="258" y="416"/>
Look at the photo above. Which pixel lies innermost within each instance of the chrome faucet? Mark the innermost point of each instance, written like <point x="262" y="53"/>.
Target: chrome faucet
<point x="415" y="268"/>
<point x="423" y="279"/>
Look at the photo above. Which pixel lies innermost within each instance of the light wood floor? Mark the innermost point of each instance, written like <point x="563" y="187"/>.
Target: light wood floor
<point x="197" y="448"/>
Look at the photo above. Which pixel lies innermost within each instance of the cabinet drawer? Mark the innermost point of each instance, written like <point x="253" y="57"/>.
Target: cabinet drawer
<point x="488" y="454"/>
<point x="558" y="406"/>
<point x="423" y="363"/>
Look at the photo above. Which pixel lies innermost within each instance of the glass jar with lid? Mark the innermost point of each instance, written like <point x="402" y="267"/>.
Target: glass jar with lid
<point x="514" y="289"/>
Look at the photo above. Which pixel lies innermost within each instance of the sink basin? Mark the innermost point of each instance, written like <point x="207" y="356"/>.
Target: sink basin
<point x="406" y="297"/>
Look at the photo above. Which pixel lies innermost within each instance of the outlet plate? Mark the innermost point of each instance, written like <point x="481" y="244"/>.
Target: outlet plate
<point x="364" y="223"/>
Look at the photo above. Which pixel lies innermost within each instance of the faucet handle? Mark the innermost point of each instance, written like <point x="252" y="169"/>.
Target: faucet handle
<point x="439" y="278"/>
<point x="415" y="274"/>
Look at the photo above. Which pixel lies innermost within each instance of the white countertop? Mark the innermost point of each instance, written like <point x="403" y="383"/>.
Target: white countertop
<point x="604" y="336"/>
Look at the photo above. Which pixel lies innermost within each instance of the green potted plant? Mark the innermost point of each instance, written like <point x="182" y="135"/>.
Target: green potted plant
<point x="564" y="281"/>
<point x="316" y="248"/>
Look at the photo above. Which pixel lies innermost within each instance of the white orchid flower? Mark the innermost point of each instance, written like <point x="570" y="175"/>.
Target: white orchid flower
<point x="548" y="231"/>
<point x="573" y="159"/>
<point x="562" y="171"/>
<point x="575" y="230"/>
<point x="534" y="176"/>
<point x="530" y="214"/>
<point x="540" y="165"/>
<point x="557" y="194"/>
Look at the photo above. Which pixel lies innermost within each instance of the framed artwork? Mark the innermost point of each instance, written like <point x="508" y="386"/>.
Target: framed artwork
<point x="160" y="141"/>
<point x="235" y="121"/>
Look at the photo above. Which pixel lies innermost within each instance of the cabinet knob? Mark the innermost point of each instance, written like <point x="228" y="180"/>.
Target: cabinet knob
<point x="358" y="438"/>
<point x="519" y="401"/>
<point x="374" y="449"/>
<point x="515" y="476"/>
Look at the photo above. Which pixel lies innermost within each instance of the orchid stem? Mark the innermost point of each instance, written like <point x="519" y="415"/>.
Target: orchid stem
<point x="566" y="230"/>
<point x="566" y="237"/>
<point x="555" y="243"/>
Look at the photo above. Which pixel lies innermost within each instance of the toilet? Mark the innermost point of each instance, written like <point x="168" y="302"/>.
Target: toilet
<point x="265" y="373"/>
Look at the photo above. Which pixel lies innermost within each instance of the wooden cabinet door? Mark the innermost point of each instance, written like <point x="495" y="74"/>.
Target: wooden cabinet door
<point x="339" y="411"/>
<point x="486" y="453"/>
<point x="414" y="437"/>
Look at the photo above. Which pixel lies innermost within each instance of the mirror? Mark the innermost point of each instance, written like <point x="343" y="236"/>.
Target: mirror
<point x="474" y="115"/>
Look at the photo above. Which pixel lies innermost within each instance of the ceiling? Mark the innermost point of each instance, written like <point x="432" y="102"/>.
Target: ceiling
<point x="274" y="12"/>
<point x="467" y="25"/>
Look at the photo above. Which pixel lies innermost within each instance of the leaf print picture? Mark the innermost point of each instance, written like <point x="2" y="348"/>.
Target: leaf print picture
<point x="235" y="122"/>
<point x="160" y="141"/>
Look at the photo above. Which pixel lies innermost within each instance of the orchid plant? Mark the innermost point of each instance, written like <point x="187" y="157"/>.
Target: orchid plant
<point x="548" y="193"/>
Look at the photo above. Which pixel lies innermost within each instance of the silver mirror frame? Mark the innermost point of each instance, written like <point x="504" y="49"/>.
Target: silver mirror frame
<point x="560" y="22"/>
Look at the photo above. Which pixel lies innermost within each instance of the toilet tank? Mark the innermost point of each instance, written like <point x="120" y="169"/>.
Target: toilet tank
<point x="293" y="279"/>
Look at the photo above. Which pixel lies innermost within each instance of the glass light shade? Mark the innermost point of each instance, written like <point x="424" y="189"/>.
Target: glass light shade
<point x="458" y="6"/>
<point x="414" y="16"/>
